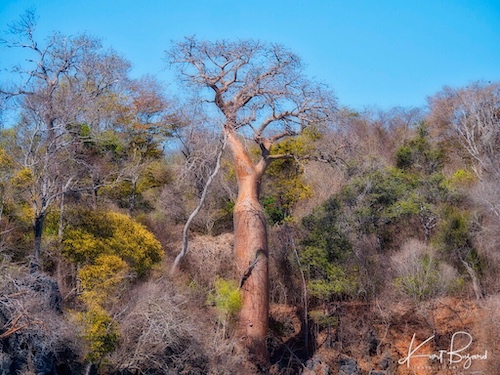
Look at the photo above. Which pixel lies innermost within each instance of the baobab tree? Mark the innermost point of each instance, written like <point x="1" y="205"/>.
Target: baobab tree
<point x="261" y="93"/>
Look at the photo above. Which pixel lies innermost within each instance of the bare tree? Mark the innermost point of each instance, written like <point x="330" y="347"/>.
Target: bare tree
<point x="57" y="80"/>
<point x="261" y="93"/>
<point x="472" y="114"/>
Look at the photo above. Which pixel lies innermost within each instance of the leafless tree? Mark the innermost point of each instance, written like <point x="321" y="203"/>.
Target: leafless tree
<point x="472" y="114"/>
<point x="52" y="88"/>
<point x="261" y="93"/>
<point x="32" y="324"/>
<point x="158" y="336"/>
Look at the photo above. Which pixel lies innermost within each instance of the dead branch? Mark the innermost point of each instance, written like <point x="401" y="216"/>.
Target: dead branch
<point x="185" y="232"/>
<point x="13" y="327"/>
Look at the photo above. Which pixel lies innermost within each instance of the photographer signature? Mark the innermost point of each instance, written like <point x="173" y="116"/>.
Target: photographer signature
<point x="454" y="356"/>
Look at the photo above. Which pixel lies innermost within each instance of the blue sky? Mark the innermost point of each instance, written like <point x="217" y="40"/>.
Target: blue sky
<point x="380" y="53"/>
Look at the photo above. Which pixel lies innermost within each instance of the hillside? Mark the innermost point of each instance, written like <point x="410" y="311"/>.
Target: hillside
<point x="254" y="227"/>
<point x="169" y="326"/>
<point x="394" y="238"/>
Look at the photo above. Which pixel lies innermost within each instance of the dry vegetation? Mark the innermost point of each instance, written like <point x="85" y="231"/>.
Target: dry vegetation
<point x="406" y="276"/>
<point x="381" y="225"/>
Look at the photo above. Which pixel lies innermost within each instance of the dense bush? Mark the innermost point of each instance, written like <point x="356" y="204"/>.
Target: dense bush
<point x="326" y="254"/>
<point x="90" y="234"/>
<point x="109" y="249"/>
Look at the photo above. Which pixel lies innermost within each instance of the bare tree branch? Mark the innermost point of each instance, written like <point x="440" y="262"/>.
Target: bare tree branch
<point x="185" y="232"/>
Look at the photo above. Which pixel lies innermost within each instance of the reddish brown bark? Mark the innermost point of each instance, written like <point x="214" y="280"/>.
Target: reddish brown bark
<point x="251" y="254"/>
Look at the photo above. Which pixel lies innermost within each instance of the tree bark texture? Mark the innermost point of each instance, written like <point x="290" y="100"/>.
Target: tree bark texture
<point x="251" y="255"/>
<point x="38" y="232"/>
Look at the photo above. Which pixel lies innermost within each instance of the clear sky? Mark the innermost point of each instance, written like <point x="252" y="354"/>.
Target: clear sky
<point x="381" y="53"/>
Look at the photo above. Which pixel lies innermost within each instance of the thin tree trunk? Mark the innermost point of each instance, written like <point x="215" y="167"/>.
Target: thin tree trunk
<point x="304" y="289"/>
<point x="94" y="197"/>
<point x="60" y="230"/>
<point x="132" y="197"/>
<point x="60" y="235"/>
<point x="38" y="231"/>
<point x="476" y="285"/>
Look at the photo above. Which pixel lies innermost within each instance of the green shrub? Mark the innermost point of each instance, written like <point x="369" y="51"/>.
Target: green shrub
<point x="322" y="319"/>
<point x="226" y="297"/>
<point x="325" y="254"/>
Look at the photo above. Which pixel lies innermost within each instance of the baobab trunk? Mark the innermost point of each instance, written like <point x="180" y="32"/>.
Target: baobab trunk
<point x="251" y="254"/>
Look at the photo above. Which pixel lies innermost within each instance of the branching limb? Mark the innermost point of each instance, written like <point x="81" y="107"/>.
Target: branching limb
<point x="13" y="327"/>
<point x="185" y="232"/>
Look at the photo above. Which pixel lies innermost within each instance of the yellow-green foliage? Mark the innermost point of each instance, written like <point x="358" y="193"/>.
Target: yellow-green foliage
<point x="227" y="298"/>
<point x="100" y="280"/>
<point x="302" y="145"/>
<point x="285" y="185"/>
<point x="323" y="319"/>
<point x="156" y="174"/>
<point x="82" y="246"/>
<point x="134" y="243"/>
<point x="463" y="178"/>
<point x="26" y="213"/>
<point x="107" y="246"/>
<point x="22" y="179"/>
<point x="94" y="233"/>
<point x="100" y="332"/>
<point x="6" y="162"/>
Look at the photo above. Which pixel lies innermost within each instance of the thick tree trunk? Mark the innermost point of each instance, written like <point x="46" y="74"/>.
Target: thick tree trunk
<point x="251" y="256"/>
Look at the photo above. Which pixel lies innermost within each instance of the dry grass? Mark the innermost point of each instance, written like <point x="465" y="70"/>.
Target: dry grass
<point x="209" y="257"/>
<point x="163" y="331"/>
